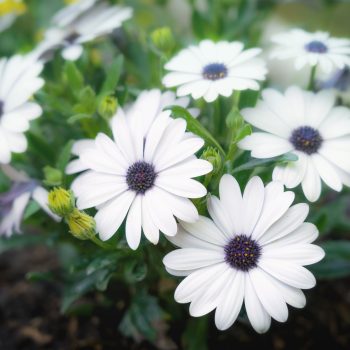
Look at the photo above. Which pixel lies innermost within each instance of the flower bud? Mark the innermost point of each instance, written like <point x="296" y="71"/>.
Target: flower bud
<point x="53" y="176"/>
<point x="12" y="7"/>
<point x="61" y="201"/>
<point x="81" y="225"/>
<point x="212" y="155"/>
<point x="107" y="107"/>
<point x="162" y="38"/>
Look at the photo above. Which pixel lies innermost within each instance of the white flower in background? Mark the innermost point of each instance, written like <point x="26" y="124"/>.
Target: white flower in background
<point x="144" y="174"/>
<point x="14" y="202"/>
<point x="160" y="101"/>
<point x="19" y="80"/>
<point x="313" y="49"/>
<point x="253" y="250"/>
<point x="78" y="24"/>
<point x="212" y="69"/>
<point x="308" y="125"/>
<point x="9" y="11"/>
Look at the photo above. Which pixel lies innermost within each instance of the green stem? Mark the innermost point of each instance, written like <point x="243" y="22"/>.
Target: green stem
<point x="311" y="85"/>
<point x="101" y="244"/>
<point x="236" y="98"/>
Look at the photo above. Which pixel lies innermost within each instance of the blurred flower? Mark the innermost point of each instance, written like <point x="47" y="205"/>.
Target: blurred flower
<point x="61" y="201"/>
<point x="309" y="125"/>
<point x="19" y="80"/>
<point x="81" y="225"/>
<point x="9" y="10"/>
<point x="145" y="173"/>
<point x="213" y="69"/>
<point x="339" y="81"/>
<point x="253" y="250"/>
<point x="14" y="202"/>
<point x="313" y="49"/>
<point x="159" y="101"/>
<point x="79" y="23"/>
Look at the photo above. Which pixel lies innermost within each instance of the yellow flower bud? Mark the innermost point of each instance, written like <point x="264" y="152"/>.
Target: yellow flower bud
<point x="61" y="201"/>
<point x="81" y="225"/>
<point x="162" y="38"/>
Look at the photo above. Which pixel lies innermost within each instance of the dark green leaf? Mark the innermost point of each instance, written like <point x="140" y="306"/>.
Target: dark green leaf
<point x="74" y="77"/>
<point x="112" y="77"/>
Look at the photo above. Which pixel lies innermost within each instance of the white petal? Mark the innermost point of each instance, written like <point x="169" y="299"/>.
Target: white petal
<point x="253" y="201"/>
<point x="150" y="230"/>
<point x="230" y="302"/>
<point x="311" y="183"/>
<point x="192" y="258"/>
<point x="133" y="224"/>
<point x="291" y="274"/>
<point x="180" y="186"/>
<point x="72" y="52"/>
<point x="191" y="168"/>
<point x="265" y="145"/>
<point x="269" y="295"/>
<point x="111" y="215"/>
<point x="258" y="317"/>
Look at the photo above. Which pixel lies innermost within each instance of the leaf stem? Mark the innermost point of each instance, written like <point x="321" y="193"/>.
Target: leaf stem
<point x="311" y="85"/>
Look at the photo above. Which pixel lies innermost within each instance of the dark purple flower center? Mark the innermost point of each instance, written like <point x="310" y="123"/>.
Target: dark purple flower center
<point x="140" y="177"/>
<point x="306" y="139"/>
<point x="316" y="46"/>
<point x="242" y="253"/>
<point x="214" y="71"/>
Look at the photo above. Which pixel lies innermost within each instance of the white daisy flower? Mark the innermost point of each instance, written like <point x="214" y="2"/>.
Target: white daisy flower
<point x="14" y="202"/>
<point x="19" y="80"/>
<point x="159" y="100"/>
<point x="84" y="23"/>
<point x="253" y="250"/>
<point x="9" y="11"/>
<point x="212" y="69"/>
<point x="308" y="125"/>
<point x="144" y="174"/>
<point x="313" y="49"/>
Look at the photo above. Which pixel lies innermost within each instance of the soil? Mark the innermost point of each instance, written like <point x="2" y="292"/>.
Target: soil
<point x="30" y="317"/>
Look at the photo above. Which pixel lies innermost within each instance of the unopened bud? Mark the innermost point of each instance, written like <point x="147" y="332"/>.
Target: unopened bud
<point x="162" y="38"/>
<point x="81" y="225"/>
<point x="212" y="155"/>
<point x="61" y="201"/>
<point x="107" y="107"/>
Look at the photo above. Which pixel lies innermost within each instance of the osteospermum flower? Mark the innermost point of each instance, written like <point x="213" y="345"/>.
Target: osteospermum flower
<point x="145" y="173"/>
<point x="212" y="69"/>
<point x="154" y="100"/>
<point x="19" y="80"/>
<point x="252" y="251"/>
<point x="308" y="125"/>
<point x="78" y="24"/>
<point x="14" y="202"/>
<point x="314" y="49"/>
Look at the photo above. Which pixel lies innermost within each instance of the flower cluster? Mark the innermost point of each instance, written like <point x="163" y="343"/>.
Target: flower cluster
<point x="141" y="168"/>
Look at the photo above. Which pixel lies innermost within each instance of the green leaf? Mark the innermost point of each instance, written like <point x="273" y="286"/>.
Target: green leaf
<point x="112" y="77"/>
<point x="19" y="241"/>
<point x="135" y="271"/>
<point x="195" y="335"/>
<point x="336" y="263"/>
<point x="74" y="77"/>
<point x="288" y="157"/>
<point x="78" y="117"/>
<point x="195" y="126"/>
<point x="141" y="316"/>
<point x="64" y="156"/>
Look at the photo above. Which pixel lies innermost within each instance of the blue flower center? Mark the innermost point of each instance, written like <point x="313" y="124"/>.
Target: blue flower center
<point x="316" y="46"/>
<point x="214" y="71"/>
<point x="306" y="139"/>
<point x="242" y="253"/>
<point x="140" y="177"/>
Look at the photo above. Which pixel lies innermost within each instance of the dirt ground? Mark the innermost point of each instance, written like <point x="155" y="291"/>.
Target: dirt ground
<point x="30" y="317"/>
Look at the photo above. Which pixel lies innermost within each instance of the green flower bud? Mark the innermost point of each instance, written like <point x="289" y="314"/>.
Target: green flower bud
<point x="61" y="201"/>
<point x="162" y="38"/>
<point x="53" y="176"/>
<point x="81" y="225"/>
<point x="107" y="107"/>
<point x="212" y="155"/>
